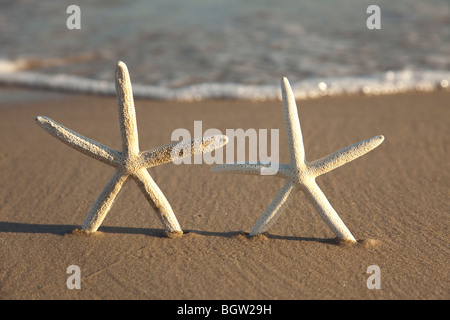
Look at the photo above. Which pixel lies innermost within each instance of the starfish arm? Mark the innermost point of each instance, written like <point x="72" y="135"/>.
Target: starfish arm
<point x="293" y="130"/>
<point x="326" y="211"/>
<point x="157" y="200"/>
<point x="347" y="154"/>
<point x="79" y="142"/>
<point x="127" y="113"/>
<point x="182" y="149"/>
<point x="274" y="209"/>
<point x="104" y="202"/>
<point x="249" y="168"/>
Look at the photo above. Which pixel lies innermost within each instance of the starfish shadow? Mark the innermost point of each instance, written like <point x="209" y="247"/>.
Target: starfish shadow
<point x="18" y="227"/>
<point x="334" y="240"/>
<point x="62" y="229"/>
<point x="243" y="234"/>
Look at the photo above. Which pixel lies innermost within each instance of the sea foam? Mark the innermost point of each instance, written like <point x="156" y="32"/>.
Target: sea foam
<point x="390" y="82"/>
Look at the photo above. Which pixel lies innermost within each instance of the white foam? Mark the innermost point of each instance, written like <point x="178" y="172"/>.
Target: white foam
<point x="390" y="82"/>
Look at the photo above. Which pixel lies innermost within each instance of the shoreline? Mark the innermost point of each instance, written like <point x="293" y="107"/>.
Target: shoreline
<point x="385" y="83"/>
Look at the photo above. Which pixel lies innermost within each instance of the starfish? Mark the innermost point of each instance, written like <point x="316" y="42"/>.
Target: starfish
<point x="130" y="162"/>
<point x="301" y="174"/>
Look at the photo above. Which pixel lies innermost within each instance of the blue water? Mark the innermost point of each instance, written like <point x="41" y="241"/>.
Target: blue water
<point x="173" y="44"/>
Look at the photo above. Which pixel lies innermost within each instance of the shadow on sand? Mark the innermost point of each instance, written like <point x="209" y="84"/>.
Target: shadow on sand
<point x="62" y="229"/>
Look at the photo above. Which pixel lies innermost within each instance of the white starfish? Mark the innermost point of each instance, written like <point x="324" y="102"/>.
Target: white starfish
<point x="301" y="174"/>
<point x="130" y="162"/>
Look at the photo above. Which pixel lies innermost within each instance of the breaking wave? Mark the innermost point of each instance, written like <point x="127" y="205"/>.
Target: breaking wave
<point x="390" y="82"/>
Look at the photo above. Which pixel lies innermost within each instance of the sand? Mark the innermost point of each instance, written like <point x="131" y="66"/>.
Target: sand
<point x="394" y="200"/>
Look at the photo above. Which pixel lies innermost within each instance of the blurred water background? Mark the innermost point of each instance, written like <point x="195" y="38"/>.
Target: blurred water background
<point x="196" y="49"/>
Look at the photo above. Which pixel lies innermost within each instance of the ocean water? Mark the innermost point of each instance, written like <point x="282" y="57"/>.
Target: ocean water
<point x="196" y="49"/>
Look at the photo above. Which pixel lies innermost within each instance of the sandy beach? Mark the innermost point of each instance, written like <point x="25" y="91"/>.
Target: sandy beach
<point x="394" y="200"/>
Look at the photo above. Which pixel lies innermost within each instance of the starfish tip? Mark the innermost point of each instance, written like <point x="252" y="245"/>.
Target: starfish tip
<point x="214" y="142"/>
<point x="121" y="64"/>
<point x="286" y="90"/>
<point x="41" y="120"/>
<point x="379" y="139"/>
<point x="284" y="80"/>
<point x="121" y="69"/>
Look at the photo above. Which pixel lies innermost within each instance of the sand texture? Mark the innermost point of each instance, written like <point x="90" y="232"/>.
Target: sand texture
<point x="395" y="201"/>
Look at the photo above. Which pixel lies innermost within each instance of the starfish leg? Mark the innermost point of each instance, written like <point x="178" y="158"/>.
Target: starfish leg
<point x="79" y="142"/>
<point x="347" y="154"/>
<point x="182" y="149"/>
<point x="104" y="202"/>
<point x="326" y="211"/>
<point x="274" y="209"/>
<point x="157" y="200"/>
<point x="127" y="112"/>
<point x="293" y="130"/>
